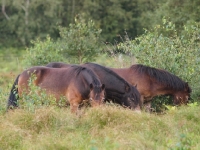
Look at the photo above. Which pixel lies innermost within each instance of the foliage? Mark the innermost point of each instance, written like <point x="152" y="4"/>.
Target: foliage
<point x="23" y="20"/>
<point x="163" y="48"/>
<point x="42" y="52"/>
<point x="79" y="43"/>
<point x="180" y="12"/>
<point x="81" y="40"/>
<point x="35" y="97"/>
<point x="195" y="104"/>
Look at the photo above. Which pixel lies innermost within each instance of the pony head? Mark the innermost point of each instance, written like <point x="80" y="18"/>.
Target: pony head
<point x="182" y="97"/>
<point x="133" y="97"/>
<point x="97" y="94"/>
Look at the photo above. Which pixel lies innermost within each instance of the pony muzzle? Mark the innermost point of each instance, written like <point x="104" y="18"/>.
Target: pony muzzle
<point x="95" y="103"/>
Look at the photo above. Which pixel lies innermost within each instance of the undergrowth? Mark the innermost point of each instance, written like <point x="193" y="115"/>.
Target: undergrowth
<point x="106" y="127"/>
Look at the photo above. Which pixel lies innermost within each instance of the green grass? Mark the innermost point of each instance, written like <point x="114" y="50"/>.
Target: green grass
<point x="11" y="60"/>
<point x="108" y="127"/>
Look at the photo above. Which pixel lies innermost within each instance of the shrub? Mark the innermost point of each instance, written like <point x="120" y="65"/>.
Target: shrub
<point x="79" y="43"/>
<point x="37" y="97"/>
<point x="42" y="52"/>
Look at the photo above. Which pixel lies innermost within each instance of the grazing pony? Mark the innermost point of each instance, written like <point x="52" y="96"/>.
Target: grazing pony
<point x="152" y="82"/>
<point x="117" y="89"/>
<point x="75" y="83"/>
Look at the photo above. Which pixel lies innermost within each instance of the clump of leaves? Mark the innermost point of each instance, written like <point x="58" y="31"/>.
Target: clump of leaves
<point x="36" y="97"/>
<point x="78" y="43"/>
<point x="81" y="40"/>
<point x="43" y="52"/>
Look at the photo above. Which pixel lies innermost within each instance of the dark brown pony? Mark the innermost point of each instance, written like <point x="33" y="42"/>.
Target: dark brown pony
<point x="76" y="83"/>
<point x="152" y="82"/>
<point x="117" y="89"/>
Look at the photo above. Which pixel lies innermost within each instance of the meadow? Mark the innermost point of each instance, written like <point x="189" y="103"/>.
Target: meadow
<point x="109" y="127"/>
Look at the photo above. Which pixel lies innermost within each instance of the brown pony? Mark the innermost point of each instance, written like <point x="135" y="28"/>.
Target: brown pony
<point x="152" y="82"/>
<point x="117" y="89"/>
<point x="76" y="83"/>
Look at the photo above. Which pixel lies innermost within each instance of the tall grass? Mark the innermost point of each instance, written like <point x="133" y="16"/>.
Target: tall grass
<point x="108" y="127"/>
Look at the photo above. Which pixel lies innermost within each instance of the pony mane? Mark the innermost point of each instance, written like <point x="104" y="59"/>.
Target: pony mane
<point x="119" y="96"/>
<point x="79" y="72"/>
<point x="162" y="77"/>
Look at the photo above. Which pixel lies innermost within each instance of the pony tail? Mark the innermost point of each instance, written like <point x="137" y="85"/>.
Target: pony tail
<point x="13" y="97"/>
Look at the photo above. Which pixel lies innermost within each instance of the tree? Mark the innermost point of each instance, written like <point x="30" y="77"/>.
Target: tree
<point x="179" y="12"/>
<point x="26" y="20"/>
<point x="78" y="43"/>
<point x="113" y="16"/>
<point x="81" y="40"/>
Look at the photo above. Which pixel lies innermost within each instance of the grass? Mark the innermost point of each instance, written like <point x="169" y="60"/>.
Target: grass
<point x="108" y="127"/>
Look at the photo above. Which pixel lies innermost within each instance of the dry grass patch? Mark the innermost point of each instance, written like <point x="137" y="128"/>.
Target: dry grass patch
<point x="107" y="127"/>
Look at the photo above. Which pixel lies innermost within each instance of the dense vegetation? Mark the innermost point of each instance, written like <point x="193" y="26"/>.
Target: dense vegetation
<point x="25" y="20"/>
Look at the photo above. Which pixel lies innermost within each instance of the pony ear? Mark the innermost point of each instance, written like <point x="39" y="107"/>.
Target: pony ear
<point x="135" y="86"/>
<point x="127" y="88"/>
<point x="103" y="86"/>
<point x="91" y="86"/>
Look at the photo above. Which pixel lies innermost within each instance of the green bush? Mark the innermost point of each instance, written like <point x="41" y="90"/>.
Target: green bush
<point x="38" y="97"/>
<point x="79" y="43"/>
<point x="43" y="52"/>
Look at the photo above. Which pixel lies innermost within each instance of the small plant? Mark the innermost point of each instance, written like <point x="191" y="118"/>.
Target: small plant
<point x="35" y="97"/>
<point x="171" y="108"/>
<point x="195" y="104"/>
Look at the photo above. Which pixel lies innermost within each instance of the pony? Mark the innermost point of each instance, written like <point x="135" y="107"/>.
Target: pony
<point x="117" y="89"/>
<point x="75" y="83"/>
<point x="152" y="82"/>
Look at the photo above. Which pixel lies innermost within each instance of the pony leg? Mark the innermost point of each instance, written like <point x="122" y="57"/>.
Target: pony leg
<point x="74" y="107"/>
<point x="74" y="99"/>
<point x="142" y="101"/>
<point x="147" y="107"/>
